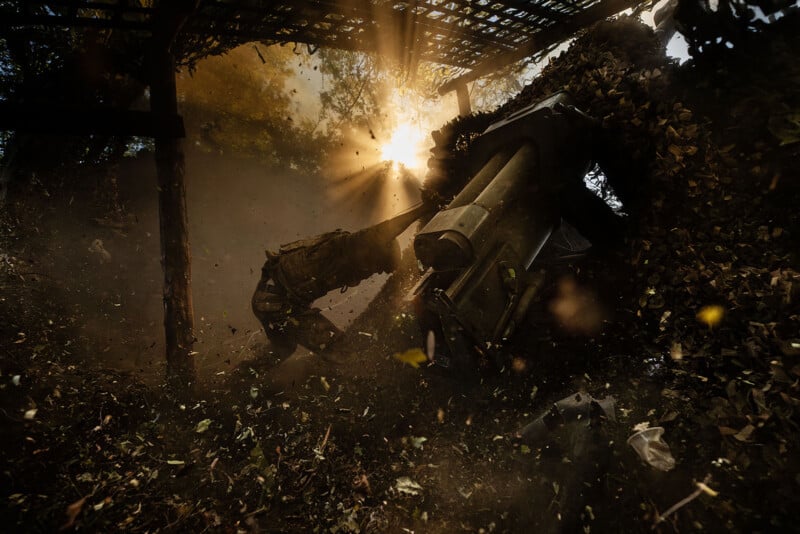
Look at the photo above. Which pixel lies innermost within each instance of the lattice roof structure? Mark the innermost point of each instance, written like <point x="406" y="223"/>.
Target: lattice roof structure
<point x="477" y="36"/>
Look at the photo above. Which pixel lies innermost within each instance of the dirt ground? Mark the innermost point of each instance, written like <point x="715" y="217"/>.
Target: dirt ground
<point x="693" y="326"/>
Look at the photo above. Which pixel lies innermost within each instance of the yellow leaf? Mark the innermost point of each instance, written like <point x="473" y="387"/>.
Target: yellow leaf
<point x="711" y="315"/>
<point x="412" y="357"/>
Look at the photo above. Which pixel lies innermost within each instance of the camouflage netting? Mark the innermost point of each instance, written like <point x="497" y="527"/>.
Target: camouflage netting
<point x="616" y="71"/>
<point x="707" y="289"/>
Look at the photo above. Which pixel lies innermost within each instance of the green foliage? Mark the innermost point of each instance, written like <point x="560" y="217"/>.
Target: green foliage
<point x="54" y="66"/>
<point x="239" y="103"/>
<point x="355" y="87"/>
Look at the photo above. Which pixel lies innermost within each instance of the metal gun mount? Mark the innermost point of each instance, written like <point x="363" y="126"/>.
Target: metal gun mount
<point x="479" y="249"/>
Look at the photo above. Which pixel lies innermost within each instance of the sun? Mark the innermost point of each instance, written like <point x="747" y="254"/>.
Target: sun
<point x="405" y="146"/>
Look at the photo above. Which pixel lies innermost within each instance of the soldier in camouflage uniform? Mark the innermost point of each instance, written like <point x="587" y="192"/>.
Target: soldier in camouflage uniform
<point x="303" y="271"/>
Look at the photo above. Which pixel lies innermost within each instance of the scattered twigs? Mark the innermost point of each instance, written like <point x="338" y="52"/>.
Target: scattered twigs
<point x="325" y="440"/>
<point x="258" y="511"/>
<point x="318" y="456"/>
<point x="701" y="488"/>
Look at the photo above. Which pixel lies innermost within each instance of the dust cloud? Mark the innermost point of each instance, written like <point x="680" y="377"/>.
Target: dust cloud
<point x="103" y="265"/>
<point x="237" y="209"/>
<point x="99" y="270"/>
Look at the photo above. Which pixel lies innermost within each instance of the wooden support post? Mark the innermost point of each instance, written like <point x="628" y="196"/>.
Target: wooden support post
<point x="462" y="93"/>
<point x="175" y="255"/>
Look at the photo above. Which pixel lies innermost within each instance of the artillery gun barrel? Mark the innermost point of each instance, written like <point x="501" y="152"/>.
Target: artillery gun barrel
<point x="456" y="236"/>
<point x="389" y="229"/>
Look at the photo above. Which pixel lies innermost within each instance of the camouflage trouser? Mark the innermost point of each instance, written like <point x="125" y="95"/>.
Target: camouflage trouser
<point x="288" y="323"/>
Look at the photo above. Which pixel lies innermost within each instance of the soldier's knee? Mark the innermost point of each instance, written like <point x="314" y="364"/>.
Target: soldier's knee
<point x="267" y="303"/>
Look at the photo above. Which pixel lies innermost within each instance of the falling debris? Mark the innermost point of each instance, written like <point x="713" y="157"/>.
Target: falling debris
<point x="202" y="426"/>
<point x="702" y="488"/>
<point x="325" y="385"/>
<point x="577" y="407"/>
<point x="97" y="248"/>
<point x="412" y="357"/>
<point x="407" y="486"/>
<point x="676" y="351"/>
<point x="710" y="201"/>
<point x="418" y="441"/>
<point x="73" y="511"/>
<point x="430" y="345"/>
<point x="711" y="315"/>
<point x="576" y="308"/>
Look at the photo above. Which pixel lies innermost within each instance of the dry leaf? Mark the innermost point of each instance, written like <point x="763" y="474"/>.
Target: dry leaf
<point x="745" y="433"/>
<point x="407" y="486"/>
<point x="412" y="357"/>
<point x="73" y="510"/>
<point x="711" y="315"/>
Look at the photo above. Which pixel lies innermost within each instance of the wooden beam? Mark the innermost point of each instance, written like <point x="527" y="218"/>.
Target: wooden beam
<point x="464" y="107"/>
<point x="541" y="41"/>
<point x="94" y="121"/>
<point x="173" y="220"/>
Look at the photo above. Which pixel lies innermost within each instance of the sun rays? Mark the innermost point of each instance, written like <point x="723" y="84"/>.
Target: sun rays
<point x="405" y="147"/>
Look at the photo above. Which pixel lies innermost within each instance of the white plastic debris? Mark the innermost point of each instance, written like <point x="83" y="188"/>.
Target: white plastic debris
<point x="652" y="449"/>
<point x="430" y="345"/>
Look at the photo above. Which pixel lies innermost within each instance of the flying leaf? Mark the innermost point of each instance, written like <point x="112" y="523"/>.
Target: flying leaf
<point x="417" y="442"/>
<point x="407" y="486"/>
<point x="786" y="127"/>
<point x="745" y="433"/>
<point x="257" y="457"/>
<point x="203" y="425"/>
<point x="412" y="357"/>
<point x="73" y="510"/>
<point x="711" y="315"/>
